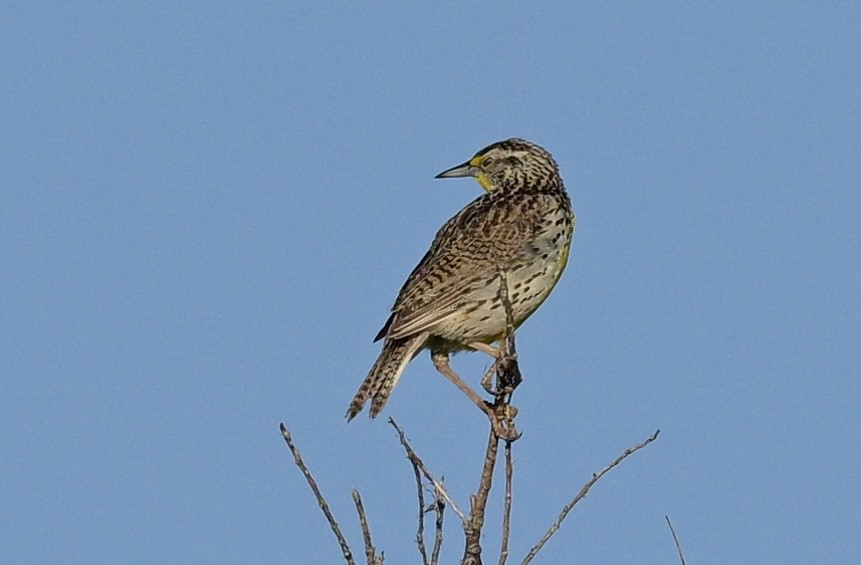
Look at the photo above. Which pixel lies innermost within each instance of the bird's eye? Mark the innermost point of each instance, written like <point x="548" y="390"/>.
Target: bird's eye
<point x="487" y="162"/>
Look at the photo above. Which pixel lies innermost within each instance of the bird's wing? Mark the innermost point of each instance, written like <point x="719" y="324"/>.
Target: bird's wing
<point x="432" y="296"/>
<point x="464" y="257"/>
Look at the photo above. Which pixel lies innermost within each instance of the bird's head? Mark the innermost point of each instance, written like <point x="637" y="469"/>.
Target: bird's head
<point x="508" y="165"/>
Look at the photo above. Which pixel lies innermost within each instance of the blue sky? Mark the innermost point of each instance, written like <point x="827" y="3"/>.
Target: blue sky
<point x="207" y="211"/>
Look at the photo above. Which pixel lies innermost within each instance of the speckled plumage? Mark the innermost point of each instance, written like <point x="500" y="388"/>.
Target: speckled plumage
<point x="523" y="224"/>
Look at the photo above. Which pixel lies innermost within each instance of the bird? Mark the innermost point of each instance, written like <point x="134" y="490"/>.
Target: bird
<point x="518" y="231"/>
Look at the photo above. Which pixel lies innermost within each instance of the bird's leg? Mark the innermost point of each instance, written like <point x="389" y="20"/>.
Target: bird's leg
<point x="440" y="362"/>
<point x="485" y="348"/>
<point x="500" y="428"/>
<point x="487" y="380"/>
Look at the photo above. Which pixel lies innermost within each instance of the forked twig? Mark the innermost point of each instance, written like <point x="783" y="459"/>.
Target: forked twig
<point x="582" y="494"/>
<point x="416" y="460"/>
<point x="676" y="541"/>
<point x="324" y="506"/>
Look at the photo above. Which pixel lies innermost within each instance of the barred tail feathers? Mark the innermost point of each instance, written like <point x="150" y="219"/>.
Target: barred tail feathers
<point x="385" y="373"/>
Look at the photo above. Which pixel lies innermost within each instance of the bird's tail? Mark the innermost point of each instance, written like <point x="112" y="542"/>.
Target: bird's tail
<point x="385" y="373"/>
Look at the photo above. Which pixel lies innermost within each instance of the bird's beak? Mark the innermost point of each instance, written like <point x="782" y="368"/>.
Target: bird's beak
<point x="464" y="170"/>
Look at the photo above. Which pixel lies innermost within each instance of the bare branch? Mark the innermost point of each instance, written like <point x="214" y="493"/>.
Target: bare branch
<point x="506" y="513"/>
<point x="676" y="541"/>
<point x="416" y="460"/>
<point x="507" y="370"/>
<point x="478" y="503"/>
<point x="324" y="506"/>
<point x="506" y="302"/>
<point x="502" y="427"/>
<point x="370" y="550"/>
<point x="420" y="533"/>
<point x="439" y="507"/>
<point x="582" y="494"/>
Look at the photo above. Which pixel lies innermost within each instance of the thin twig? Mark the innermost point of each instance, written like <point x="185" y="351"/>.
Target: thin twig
<point x="506" y="513"/>
<point x="324" y="506"/>
<point x="502" y="427"/>
<point x="582" y="494"/>
<point x="506" y="302"/>
<point x="439" y="507"/>
<point x="370" y="550"/>
<point x="420" y="534"/>
<point x="478" y="503"/>
<point x="415" y="459"/>
<point x="676" y="540"/>
<point x="508" y="370"/>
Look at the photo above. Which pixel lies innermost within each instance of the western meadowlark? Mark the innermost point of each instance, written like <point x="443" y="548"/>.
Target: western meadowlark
<point x="519" y="229"/>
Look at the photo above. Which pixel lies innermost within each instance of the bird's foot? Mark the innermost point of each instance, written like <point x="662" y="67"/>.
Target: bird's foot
<point x="508" y="376"/>
<point x="502" y="420"/>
